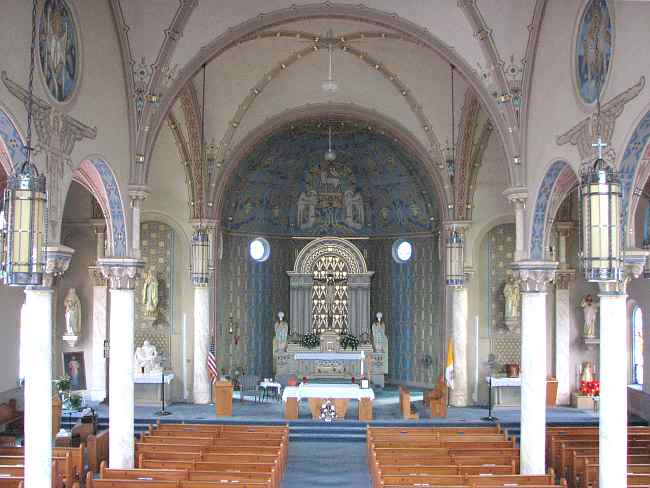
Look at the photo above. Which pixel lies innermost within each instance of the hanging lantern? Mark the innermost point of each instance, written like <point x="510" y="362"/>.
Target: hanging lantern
<point x="200" y="258"/>
<point x="455" y="260"/>
<point x="601" y="225"/>
<point x="25" y="202"/>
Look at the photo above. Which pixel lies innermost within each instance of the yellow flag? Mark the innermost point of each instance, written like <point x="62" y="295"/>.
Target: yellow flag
<point x="449" y="370"/>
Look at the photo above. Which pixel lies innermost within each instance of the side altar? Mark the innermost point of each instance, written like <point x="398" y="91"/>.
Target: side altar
<point x="330" y="304"/>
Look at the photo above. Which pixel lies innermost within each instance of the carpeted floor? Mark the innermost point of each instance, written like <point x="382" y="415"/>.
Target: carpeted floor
<point x="324" y="464"/>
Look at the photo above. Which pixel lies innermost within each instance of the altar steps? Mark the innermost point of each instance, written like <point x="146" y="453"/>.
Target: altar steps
<point x="326" y="432"/>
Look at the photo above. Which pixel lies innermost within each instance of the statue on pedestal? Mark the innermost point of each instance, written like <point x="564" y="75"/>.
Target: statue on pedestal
<point x="281" y="333"/>
<point x="590" y="310"/>
<point x="146" y="359"/>
<point x="150" y="293"/>
<point x="379" y="339"/>
<point x="72" y="307"/>
<point x="512" y="296"/>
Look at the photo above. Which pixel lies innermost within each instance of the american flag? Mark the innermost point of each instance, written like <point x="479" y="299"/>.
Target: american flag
<point x="213" y="372"/>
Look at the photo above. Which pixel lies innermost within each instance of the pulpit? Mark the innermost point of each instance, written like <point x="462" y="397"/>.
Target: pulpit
<point x="222" y="395"/>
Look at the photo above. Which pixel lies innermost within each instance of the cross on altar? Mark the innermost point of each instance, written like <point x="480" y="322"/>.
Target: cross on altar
<point x="600" y="145"/>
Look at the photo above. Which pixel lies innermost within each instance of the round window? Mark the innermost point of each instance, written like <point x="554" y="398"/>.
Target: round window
<point x="259" y="249"/>
<point x="402" y="251"/>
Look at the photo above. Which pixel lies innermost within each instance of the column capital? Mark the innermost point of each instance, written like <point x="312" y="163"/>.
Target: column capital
<point x="460" y="225"/>
<point x="138" y="193"/>
<point x="635" y="260"/>
<point x="57" y="262"/>
<point x="517" y="195"/>
<point x="96" y="276"/>
<point x="564" y="227"/>
<point x="210" y="224"/>
<point x="98" y="225"/>
<point x="534" y="276"/>
<point x="121" y="273"/>
<point x="563" y="277"/>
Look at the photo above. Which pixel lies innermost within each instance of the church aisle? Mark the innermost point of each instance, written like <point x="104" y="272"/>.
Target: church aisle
<point x="324" y="464"/>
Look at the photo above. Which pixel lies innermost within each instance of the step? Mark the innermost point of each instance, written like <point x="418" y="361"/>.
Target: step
<point x="327" y="437"/>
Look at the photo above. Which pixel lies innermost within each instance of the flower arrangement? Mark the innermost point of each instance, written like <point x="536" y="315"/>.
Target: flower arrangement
<point x="349" y="341"/>
<point x="590" y="388"/>
<point x="310" y="341"/>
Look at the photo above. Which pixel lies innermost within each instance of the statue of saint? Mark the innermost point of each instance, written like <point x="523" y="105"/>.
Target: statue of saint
<point x="72" y="307"/>
<point x="150" y="293"/>
<point x="379" y="339"/>
<point x="512" y="295"/>
<point x="587" y="374"/>
<point x="590" y="310"/>
<point x="281" y="333"/>
<point x="146" y="359"/>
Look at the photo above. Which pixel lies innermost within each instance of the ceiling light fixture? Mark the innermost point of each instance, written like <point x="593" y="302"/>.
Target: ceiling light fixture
<point x="330" y="85"/>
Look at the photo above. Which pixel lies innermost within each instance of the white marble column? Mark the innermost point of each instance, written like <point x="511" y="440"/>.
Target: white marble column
<point x="533" y="277"/>
<point x="613" y="387"/>
<point x="201" y="387"/>
<point x="137" y="195"/>
<point x="98" y="361"/>
<point x="38" y="388"/>
<point x="121" y="274"/>
<point x="563" y="371"/>
<point x="518" y="197"/>
<point x="458" y="396"/>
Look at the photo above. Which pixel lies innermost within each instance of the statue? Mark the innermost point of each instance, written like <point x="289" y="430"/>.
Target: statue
<point x="72" y="307"/>
<point x="587" y="374"/>
<point x="590" y="310"/>
<point x="379" y="339"/>
<point x="146" y="359"/>
<point x="281" y="333"/>
<point x="512" y="297"/>
<point x="150" y="293"/>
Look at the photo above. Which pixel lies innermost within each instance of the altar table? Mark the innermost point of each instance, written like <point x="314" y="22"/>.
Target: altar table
<point x="317" y="393"/>
<point x="147" y="388"/>
<point x="502" y="382"/>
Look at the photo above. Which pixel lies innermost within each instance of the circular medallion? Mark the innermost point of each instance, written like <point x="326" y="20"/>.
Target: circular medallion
<point x="58" y="50"/>
<point x="593" y="50"/>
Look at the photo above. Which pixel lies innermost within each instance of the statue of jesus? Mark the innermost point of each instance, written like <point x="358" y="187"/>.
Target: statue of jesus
<point x="72" y="307"/>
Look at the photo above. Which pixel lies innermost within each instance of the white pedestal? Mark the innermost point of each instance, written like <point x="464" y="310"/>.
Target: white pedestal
<point x="147" y="389"/>
<point x="38" y="388"/>
<point x="458" y="397"/>
<point x="201" y="344"/>
<point x="613" y="391"/>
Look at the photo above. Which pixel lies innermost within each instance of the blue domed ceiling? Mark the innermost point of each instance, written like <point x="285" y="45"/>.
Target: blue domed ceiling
<point x="286" y="187"/>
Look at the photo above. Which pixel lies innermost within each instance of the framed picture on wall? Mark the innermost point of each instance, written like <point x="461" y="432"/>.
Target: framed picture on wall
<point x="75" y="368"/>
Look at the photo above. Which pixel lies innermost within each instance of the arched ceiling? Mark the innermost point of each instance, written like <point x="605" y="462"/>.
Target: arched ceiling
<point x="164" y="44"/>
<point x="277" y="71"/>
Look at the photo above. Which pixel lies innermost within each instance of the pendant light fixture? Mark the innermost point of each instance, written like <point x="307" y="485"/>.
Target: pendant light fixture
<point x="330" y="85"/>
<point x="330" y="155"/>
<point x="455" y="263"/>
<point x="601" y="236"/>
<point x="200" y="252"/>
<point x="25" y="208"/>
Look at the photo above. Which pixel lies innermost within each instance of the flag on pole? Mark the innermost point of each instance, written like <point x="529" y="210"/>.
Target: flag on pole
<point x="449" y="370"/>
<point x="213" y="372"/>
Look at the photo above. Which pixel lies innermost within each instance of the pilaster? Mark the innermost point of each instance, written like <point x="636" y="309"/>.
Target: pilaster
<point x="518" y="197"/>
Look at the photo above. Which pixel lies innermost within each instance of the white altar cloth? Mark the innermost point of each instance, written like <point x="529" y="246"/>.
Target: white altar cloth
<point x="504" y="381"/>
<point x="316" y="390"/>
<point x="330" y="356"/>
<point x="153" y="378"/>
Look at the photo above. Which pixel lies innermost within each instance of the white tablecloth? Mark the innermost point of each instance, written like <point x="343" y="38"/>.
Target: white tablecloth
<point x="153" y="378"/>
<point x="315" y="390"/>
<point x="330" y="356"/>
<point x="503" y="381"/>
<point x="271" y="384"/>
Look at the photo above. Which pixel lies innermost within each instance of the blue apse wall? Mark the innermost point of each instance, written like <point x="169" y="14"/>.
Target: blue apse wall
<point x="259" y="302"/>
<point x="401" y="354"/>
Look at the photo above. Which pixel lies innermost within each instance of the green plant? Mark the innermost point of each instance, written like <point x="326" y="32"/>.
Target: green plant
<point x="349" y="341"/>
<point x="62" y="384"/>
<point x="310" y="341"/>
<point x="74" y="402"/>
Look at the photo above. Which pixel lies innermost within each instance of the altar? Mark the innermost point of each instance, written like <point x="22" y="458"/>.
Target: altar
<point x="316" y="394"/>
<point x="147" y="390"/>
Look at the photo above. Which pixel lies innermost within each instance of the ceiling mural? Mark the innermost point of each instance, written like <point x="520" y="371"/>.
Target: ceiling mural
<point x="286" y="186"/>
<point x="594" y="45"/>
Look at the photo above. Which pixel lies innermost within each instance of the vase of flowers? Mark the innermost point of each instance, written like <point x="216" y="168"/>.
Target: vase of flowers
<point x="590" y="388"/>
<point x="349" y="341"/>
<point x="310" y="341"/>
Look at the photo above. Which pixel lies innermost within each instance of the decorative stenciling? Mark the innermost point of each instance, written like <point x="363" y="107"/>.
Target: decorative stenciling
<point x="59" y="50"/>
<point x="630" y="162"/>
<point x="12" y="140"/>
<point x="541" y="206"/>
<point x="500" y="253"/>
<point x="115" y="206"/>
<point x="593" y="50"/>
<point x="372" y="188"/>
<point x="157" y="247"/>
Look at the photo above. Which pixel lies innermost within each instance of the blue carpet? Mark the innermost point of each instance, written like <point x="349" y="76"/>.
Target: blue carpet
<point x="323" y="464"/>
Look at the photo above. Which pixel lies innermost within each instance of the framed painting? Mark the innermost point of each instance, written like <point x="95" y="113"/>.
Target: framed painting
<point x="59" y="50"/>
<point x="74" y="366"/>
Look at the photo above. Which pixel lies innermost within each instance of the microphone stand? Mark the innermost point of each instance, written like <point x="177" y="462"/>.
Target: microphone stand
<point x="162" y="412"/>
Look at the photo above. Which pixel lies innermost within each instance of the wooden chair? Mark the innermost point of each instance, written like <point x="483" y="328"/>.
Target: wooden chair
<point x="405" y="405"/>
<point x="436" y="399"/>
<point x="249" y="385"/>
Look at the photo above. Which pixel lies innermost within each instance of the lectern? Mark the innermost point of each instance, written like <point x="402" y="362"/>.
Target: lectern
<point x="222" y="394"/>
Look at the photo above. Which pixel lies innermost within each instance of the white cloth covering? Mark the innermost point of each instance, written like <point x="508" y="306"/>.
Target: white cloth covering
<point x="316" y="390"/>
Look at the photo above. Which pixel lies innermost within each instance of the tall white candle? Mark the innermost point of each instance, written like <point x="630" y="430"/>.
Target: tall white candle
<point x="186" y="392"/>
<point x="476" y="349"/>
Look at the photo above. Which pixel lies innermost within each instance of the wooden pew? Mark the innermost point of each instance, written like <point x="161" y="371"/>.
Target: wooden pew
<point x="405" y="405"/>
<point x="97" y="450"/>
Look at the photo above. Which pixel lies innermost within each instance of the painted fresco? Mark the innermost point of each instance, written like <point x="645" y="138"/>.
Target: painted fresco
<point x="58" y="43"/>
<point x="286" y="187"/>
<point x="593" y="49"/>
